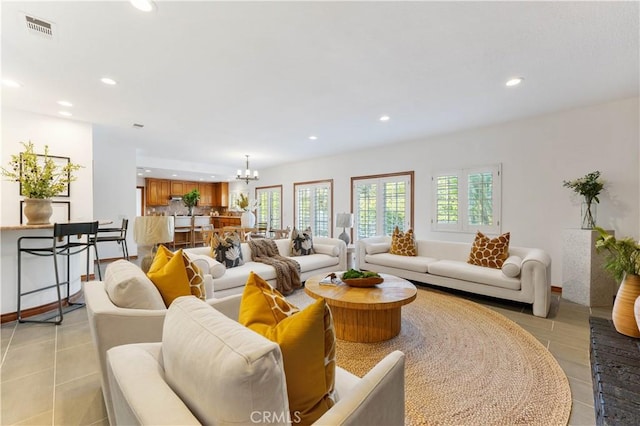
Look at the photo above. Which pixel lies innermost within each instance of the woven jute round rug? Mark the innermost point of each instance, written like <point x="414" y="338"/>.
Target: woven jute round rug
<point x="466" y="365"/>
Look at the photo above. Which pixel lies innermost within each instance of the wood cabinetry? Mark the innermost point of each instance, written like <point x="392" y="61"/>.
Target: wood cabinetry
<point x="177" y="187"/>
<point x="222" y="221"/>
<point x="221" y="194"/>
<point x="206" y="194"/>
<point x="211" y="194"/>
<point x="158" y="192"/>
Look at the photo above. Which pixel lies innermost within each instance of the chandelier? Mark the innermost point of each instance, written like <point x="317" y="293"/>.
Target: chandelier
<point x="247" y="173"/>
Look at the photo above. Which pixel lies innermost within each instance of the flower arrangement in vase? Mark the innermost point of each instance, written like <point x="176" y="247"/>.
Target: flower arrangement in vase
<point x="40" y="179"/>
<point x="589" y="187"/>
<point x="248" y="218"/>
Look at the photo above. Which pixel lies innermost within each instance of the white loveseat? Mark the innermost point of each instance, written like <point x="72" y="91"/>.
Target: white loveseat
<point x="526" y="276"/>
<point x="330" y="256"/>
<point x="209" y="369"/>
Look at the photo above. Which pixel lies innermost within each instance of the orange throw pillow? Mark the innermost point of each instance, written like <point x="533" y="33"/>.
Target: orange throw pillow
<point x="489" y="252"/>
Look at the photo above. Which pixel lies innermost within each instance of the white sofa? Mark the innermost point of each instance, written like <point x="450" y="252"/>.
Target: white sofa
<point x="526" y="276"/>
<point x="209" y="369"/>
<point x="331" y="256"/>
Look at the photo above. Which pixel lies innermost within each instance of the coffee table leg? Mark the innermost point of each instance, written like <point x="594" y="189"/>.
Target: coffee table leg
<point x="357" y="325"/>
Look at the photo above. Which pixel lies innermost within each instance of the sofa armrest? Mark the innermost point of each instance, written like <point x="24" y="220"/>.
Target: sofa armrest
<point x="377" y="398"/>
<point x="536" y="275"/>
<point x="139" y="392"/>
<point x="229" y="306"/>
<point x="342" y="250"/>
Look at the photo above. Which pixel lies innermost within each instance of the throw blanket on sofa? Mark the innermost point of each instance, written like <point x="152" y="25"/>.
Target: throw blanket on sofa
<point x="265" y="251"/>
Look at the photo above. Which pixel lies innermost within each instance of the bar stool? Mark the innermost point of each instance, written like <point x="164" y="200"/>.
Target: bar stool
<point x="61" y="245"/>
<point x="118" y="235"/>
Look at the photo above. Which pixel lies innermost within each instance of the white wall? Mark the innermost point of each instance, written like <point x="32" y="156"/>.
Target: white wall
<point x="537" y="154"/>
<point x="65" y="138"/>
<point x="114" y="188"/>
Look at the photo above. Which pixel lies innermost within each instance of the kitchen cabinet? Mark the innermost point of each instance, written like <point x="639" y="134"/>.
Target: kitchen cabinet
<point x="206" y="194"/>
<point x="158" y="192"/>
<point x="177" y="187"/>
<point x="222" y="221"/>
<point x="190" y="186"/>
<point x="221" y="194"/>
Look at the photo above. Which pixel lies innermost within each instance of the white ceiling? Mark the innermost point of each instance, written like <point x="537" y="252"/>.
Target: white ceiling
<point x="213" y="81"/>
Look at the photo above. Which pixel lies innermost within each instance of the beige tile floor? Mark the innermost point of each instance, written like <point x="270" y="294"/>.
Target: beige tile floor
<point x="49" y="374"/>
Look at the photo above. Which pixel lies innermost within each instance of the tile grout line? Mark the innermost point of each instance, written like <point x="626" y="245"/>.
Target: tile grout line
<point x="6" y="351"/>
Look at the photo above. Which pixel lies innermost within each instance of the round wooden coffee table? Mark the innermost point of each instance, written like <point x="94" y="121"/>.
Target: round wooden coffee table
<point x="365" y="314"/>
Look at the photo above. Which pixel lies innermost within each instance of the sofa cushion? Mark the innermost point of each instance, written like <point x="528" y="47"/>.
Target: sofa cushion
<point x="489" y="252"/>
<point x="175" y="275"/>
<point x="227" y="250"/>
<point x="222" y="371"/>
<point x="473" y="273"/>
<point x="403" y="243"/>
<point x="511" y="266"/>
<point x="208" y="264"/>
<point x="236" y="277"/>
<point x="307" y="341"/>
<point x="410" y="263"/>
<point x="375" y="248"/>
<point x="301" y="242"/>
<point x="129" y="287"/>
<point x="328" y="249"/>
<point x="316" y="261"/>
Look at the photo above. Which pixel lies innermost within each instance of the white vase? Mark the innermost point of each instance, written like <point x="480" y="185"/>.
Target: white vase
<point x="248" y="220"/>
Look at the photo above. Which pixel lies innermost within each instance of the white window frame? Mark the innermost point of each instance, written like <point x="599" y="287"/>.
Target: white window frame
<point x="462" y="224"/>
<point x="270" y="192"/>
<point x="312" y="186"/>
<point x="380" y="180"/>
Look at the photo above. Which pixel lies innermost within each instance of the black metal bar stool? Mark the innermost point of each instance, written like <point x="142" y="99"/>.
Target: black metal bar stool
<point x="62" y="244"/>
<point x="118" y="235"/>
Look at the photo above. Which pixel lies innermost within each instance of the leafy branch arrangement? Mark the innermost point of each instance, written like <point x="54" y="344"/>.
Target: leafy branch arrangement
<point x="40" y="178"/>
<point x="623" y="256"/>
<point x="244" y="204"/>
<point x="191" y="198"/>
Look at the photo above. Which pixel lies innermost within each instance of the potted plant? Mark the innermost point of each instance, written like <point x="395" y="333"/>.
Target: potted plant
<point x="190" y="199"/>
<point x="40" y="179"/>
<point x="589" y="188"/>
<point x="622" y="259"/>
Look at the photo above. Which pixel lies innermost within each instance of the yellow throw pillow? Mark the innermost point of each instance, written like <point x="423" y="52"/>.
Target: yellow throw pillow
<point x="403" y="243"/>
<point x="489" y="252"/>
<point x="258" y="295"/>
<point x="307" y="341"/>
<point x="175" y="275"/>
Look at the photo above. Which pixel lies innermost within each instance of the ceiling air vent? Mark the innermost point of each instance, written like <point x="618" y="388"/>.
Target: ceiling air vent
<point x="138" y="125"/>
<point x="39" y="27"/>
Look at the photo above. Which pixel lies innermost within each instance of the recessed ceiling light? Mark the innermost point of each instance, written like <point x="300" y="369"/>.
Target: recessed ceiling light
<point x="143" y="5"/>
<point x="313" y="138"/>
<point x="65" y="113"/>
<point x="147" y="170"/>
<point x="109" y="81"/>
<point x="65" y="104"/>
<point x="139" y="174"/>
<point x="11" y="83"/>
<point x="174" y="175"/>
<point x="514" y="81"/>
<point x="385" y="118"/>
<point x="201" y="178"/>
<point x="212" y="176"/>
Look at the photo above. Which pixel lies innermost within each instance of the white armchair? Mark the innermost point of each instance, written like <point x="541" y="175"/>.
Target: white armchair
<point x="233" y="375"/>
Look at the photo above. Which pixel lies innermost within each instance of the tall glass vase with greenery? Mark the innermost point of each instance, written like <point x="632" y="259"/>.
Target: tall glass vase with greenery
<point x="190" y="199"/>
<point x="622" y="259"/>
<point x="589" y="187"/>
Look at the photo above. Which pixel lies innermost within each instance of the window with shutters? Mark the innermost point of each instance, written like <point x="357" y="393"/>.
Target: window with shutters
<point x="269" y="212"/>
<point x="467" y="200"/>
<point x="313" y="206"/>
<point x="382" y="202"/>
